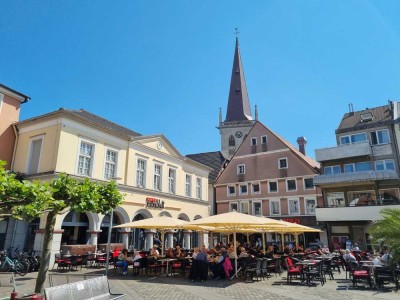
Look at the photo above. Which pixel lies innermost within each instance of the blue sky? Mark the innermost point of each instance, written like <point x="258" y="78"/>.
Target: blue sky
<point x="164" y="66"/>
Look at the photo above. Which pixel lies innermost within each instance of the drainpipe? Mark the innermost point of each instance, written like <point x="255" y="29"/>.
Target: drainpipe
<point x="15" y="147"/>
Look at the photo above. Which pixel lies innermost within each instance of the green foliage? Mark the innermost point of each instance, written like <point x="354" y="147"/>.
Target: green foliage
<point x="387" y="231"/>
<point x="30" y="199"/>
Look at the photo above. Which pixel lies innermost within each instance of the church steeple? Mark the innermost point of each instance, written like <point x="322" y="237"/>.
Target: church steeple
<point x="238" y="101"/>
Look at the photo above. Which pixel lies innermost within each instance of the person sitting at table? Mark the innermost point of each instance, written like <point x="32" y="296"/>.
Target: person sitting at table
<point x="286" y="250"/>
<point x="154" y="254"/>
<point x="348" y="257"/>
<point x="355" y="247"/>
<point x="270" y="252"/>
<point x="386" y="256"/>
<point x="178" y="252"/>
<point x="196" y="251"/>
<point x="123" y="261"/>
<point x="243" y="252"/>
<point x="170" y="253"/>
<point x="319" y="251"/>
<point x="325" y="249"/>
<point x="231" y="251"/>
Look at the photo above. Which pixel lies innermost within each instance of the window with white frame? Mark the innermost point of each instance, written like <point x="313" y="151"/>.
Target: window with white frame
<point x="310" y="205"/>
<point x="291" y="185"/>
<point x="353" y="138"/>
<point x="157" y="177"/>
<point x="255" y="188"/>
<point x="308" y="183"/>
<point x="171" y="180"/>
<point x="282" y="163"/>
<point x="141" y="173"/>
<point x="233" y="206"/>
<point x="386" y="164"/>
<point x="272" y="186"/>
<point x="257" y="209"/>
<point x="110" y="167"/>
<point x="357" y="167"/>
<point x="231" y="190"/>
<point x="244" y="207"/>
<point x="188" y="185"/>
<point x="294" y="206"/>
<point x="198" y="188"/>
<point x="243" y="189"/>
<point x="85" y="160"/>
<point x="335" y="199"/>
<point x="34" y="155"/>
<point x="275" y="207"/>
<point x="379" y="137"/>
<point x="253" y="141"/>
<point x="264" y="139"/>
<point x="329" y="170"/>
<point x="241" y="169"/>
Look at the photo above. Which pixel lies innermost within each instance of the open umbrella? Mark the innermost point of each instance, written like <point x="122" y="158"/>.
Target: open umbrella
<point x="234" y="222"/>
<point x="160" y="223"/>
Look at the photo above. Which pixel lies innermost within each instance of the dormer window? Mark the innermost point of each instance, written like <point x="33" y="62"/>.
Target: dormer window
<point x="366" y="117"/>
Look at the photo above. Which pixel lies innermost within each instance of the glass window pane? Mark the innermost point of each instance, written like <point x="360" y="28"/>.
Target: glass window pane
<point x="336" y="169"/>
<point x="363" y="166"/>
<point x="349" y="168"/>
<point x="344" y="140"/>
<point x="390" y="164"/>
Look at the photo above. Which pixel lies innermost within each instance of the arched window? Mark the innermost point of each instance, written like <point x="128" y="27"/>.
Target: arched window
<point x="231" y="140"/>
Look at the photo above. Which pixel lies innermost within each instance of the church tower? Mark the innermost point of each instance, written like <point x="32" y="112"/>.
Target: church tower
<point x="239" y="119"/>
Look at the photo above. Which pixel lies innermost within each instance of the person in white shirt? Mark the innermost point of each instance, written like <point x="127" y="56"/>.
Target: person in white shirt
<point x="348" y="257"/>
<point x="386" y="256"/>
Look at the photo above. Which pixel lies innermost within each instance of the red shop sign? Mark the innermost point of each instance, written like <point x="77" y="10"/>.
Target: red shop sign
<point x="292" y="220"/>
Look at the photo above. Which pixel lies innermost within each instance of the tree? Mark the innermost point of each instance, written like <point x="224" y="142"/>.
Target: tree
<point x="387" y="231"/>
<point x="28" y="200"/>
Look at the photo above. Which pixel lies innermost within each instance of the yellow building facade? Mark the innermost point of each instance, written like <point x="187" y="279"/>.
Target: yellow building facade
<point x="155" y="178"/>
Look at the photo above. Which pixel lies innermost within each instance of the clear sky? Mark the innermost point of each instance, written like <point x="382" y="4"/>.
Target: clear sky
<point x="164" y="66"/>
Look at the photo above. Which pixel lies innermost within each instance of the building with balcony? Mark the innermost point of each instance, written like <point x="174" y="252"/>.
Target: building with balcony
<point x="155" y="178"/>
<point x="360" y="175"/>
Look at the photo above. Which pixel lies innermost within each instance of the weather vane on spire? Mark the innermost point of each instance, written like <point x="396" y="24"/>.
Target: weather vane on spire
<point x="237" y="32"/>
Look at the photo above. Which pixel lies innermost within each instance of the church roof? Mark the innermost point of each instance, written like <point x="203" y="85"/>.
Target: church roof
<point x="213" y="160"/>
<point x="238" y="101"/>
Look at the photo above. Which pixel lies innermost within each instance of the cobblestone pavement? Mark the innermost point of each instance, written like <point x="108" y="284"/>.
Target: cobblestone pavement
<point x="178" y="288"/>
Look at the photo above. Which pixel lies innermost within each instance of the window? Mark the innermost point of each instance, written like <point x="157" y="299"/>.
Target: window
<point x="291" y="185"/>
<point x="231" y="190"/>
<point x="198" y="188"/>
<point x="171" y="180"/>
<point x="310" y="206"/>
<point x="257" y="211"/>
<point x="273" y="186"/>
<point x="34" y="155"/>
<point x="283" y="163"/>
<point x="264" y="139"/>
<point x="111" y="164"/>
<point x="255" y="188"/>
<point x="353" y="139"/>
<point x="253" y="141"/>
<point x="243" y="189"/>
<point x="244" y="207"/>
<point x="294" y="207"/>
<point x="332" y="170"/>
<point x="141" y="173"/>
<point x="85" y="158"/>
<point x="188" y="185"/>
<point x="335" y="199"/>
<point x="308" y="183"/>
<point x="361" y="198"/>
<point x="380" y="137"/>
<point x="275" y="207"/>
<point x="241" y="169"/>
<point x="233" y="206"/>
<point x="387" y="164"/>
<point x="231" y="140"/>
<point x="357" y="167"/>
<point x="157" y="177"/>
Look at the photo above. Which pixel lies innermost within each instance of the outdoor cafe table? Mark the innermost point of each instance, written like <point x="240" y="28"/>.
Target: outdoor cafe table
<point x="305" y="267"/>
<point x="167" y="260"/>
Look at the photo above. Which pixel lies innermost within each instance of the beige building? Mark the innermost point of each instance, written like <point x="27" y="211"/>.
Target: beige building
<point x="150" y="171"/>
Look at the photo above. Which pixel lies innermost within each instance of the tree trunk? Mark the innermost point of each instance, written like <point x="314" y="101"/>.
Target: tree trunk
<point x="46" y="251"/>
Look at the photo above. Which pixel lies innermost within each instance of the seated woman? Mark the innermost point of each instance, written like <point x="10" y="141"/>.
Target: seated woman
<point x="170" y="253"/>
<point x="178" y="252"/>
<point x="243" y="253"/>
<point x="154" y="254"/>
<point x="270" y="252"/>
<point x="123" y="261"/>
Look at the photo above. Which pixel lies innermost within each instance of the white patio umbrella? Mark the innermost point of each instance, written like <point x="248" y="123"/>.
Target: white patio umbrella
<point x="235" y="222"/>
<point x="160" y="223"/>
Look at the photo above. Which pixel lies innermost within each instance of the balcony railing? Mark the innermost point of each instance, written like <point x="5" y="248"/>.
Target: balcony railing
<point x="344" y="151"/>
<point x="363" y="176"/>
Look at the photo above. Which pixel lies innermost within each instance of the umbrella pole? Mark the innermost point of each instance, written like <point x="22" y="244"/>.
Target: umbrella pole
<point x="234" y="246"/>
<point x="263" y="235"/>
<point x="296" y="238"/>
<point x="282" y="240"/>
<point x="162" y="241"/>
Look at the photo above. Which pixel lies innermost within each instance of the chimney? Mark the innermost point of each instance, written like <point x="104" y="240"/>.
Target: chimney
<point x="302" y="144"/>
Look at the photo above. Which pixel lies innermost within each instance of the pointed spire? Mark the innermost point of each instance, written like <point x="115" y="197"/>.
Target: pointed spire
<point x="220" y="115"/>
<point x="238" y="102"/>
